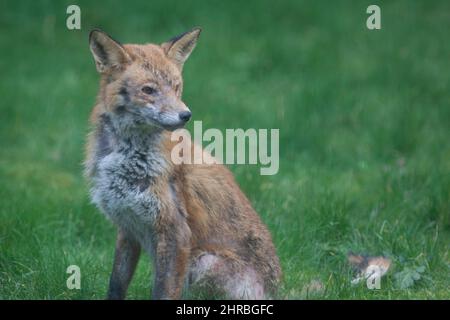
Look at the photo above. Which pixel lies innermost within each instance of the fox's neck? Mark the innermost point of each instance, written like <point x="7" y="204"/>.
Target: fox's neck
<point x="130" y="139"/>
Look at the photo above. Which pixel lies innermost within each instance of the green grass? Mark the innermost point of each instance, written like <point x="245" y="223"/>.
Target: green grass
<point x="364" y="119"/>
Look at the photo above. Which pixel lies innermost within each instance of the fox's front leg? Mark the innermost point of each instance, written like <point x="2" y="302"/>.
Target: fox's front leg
<point x="125" y="261"/>
<point x="171" y="261"/>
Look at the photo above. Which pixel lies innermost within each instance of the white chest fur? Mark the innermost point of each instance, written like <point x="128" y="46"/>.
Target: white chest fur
<point x="122" y="187"/>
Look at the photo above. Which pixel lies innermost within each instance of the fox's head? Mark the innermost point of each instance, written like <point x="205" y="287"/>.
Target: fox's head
<point x="141" y="85"/>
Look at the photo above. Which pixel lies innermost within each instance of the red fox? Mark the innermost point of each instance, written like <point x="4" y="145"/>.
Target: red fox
<point x="193" y="220"/>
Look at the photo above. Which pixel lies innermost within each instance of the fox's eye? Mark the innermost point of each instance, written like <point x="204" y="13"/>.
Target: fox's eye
<point x="148" y="90"/>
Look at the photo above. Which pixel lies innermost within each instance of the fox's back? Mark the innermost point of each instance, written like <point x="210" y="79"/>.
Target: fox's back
<point x="222" y="218"/>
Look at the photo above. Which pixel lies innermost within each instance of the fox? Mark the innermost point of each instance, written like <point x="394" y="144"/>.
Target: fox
<point x="193" y="220"/>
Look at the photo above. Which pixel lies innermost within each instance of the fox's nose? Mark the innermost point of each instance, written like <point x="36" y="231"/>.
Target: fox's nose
<point x="185" y="115"/>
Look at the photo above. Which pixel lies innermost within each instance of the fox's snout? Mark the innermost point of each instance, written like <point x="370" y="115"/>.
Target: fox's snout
<point x="174" y="121"/>
<point x="184" y="114"/>
<point x="168" y="112"/>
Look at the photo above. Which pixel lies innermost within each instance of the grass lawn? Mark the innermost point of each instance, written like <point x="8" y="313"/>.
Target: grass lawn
<point x="364" y="119"/>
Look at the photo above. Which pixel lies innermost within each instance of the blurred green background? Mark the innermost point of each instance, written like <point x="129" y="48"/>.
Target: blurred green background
<point x="364" y="119"/>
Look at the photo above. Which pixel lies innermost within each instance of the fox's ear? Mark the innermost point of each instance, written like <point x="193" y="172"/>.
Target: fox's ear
<point x="108" y="53"/>
<point x="179" y="48"/>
